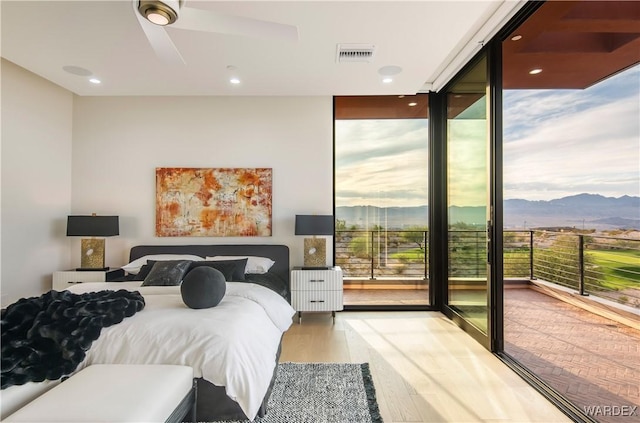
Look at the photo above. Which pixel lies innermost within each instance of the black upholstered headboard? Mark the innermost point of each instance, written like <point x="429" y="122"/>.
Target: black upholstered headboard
<point x="277" y="253"/>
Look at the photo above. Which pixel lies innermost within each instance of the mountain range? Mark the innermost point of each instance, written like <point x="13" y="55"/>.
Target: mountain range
<point x="583" y="211"/>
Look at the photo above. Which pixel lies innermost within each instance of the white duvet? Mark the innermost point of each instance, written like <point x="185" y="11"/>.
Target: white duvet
<point x="233" y="344"/>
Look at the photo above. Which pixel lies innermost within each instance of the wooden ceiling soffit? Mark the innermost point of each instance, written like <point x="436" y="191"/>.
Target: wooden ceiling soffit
<point x="575" y="43"/>
<point x="382" y="107"/>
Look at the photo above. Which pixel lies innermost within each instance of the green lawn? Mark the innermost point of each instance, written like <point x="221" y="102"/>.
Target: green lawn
<point x="412" y="254"/>
<point x="617" y="269"/>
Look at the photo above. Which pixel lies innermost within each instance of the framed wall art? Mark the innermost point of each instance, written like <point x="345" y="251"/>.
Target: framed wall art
<point x="216" y="202"/>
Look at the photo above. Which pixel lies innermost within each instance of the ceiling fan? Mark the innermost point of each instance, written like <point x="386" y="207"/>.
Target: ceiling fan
<point x="154" y="15"/>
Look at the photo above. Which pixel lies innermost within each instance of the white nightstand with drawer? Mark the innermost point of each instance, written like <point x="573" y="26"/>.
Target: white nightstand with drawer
<point x="316" y="290"/>
<point x="62" y="280"/>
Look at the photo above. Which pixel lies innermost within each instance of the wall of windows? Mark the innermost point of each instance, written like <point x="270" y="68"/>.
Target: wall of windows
<point x="381" y="198"/>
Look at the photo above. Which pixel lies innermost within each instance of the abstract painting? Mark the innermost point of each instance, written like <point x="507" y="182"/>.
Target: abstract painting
<point x="221" y="202"/>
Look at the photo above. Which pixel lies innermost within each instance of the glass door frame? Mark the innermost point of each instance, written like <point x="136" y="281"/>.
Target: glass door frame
<point x="493" y="338"/>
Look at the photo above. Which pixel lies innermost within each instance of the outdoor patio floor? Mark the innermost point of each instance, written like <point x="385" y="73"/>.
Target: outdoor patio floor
<point x="592" y="360"/>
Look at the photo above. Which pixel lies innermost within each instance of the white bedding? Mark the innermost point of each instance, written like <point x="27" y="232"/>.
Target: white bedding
<point x="233" y="344"/>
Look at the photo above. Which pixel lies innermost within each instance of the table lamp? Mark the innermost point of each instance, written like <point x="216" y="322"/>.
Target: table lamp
<point x="92" y="248"/>
<point x="315" y="249"/>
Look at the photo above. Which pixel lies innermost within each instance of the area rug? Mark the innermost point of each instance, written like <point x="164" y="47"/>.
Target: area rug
<point x="322" y="393"/>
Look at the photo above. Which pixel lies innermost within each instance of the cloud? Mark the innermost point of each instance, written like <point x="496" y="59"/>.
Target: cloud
<point x="382" y="162"/>
<point x="595" y="149"/>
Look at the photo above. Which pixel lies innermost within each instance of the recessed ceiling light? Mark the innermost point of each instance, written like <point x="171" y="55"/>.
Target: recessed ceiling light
<point x="387" y="80"/>
<point x="401" y="96"/>
<point x="94" y="81"/>
<point x="412" y="104"/>
<point x="516" y="37"/>
<point x="235" y="80"/>
<point x="535" y="71"/>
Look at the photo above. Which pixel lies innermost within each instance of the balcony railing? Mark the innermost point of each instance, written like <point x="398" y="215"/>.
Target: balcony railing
<point x="608" y="267"/>
<point x="383" y="254"/>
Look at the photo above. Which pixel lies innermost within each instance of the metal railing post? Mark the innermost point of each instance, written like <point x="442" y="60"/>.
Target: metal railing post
<point x="531" y="255"/>
<point x="478" y="255"/>
<point x="581" y="263"/>
<point x="371" y="252"/>
<point x="425" y="240"/>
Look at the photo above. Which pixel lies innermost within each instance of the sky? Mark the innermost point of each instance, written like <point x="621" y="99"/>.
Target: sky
<point x="566" y="142"/>
<point x="384" y="162"/>
<point x="556" y="143"/>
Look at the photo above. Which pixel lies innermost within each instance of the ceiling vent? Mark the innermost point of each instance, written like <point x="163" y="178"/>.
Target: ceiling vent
<point x="362" y="53"/>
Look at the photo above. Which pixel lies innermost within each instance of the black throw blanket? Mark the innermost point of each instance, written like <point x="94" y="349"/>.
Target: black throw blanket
<point x="47" y="337"/>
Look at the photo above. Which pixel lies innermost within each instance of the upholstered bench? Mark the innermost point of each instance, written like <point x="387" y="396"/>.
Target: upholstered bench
<point x="116" y="393"/>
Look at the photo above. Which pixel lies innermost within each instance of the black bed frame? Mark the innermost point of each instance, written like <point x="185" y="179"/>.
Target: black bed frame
<point x="212" y="401"/>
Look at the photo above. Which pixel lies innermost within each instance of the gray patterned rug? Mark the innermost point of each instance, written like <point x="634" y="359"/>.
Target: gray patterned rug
<point x="322" y="393"/>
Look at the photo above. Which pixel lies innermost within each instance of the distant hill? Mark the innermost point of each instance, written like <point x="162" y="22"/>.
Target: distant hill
<point x="592" y="211"/>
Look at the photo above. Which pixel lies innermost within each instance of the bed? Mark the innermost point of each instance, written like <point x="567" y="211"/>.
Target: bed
<point x="233" y="347"/>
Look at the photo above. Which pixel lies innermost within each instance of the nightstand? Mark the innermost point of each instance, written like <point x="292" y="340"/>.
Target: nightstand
<point x="62" y="280"/>
<point x="316" y="290"/>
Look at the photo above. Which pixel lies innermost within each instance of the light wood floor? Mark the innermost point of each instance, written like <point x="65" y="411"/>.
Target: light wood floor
<point x="425" y="368"/>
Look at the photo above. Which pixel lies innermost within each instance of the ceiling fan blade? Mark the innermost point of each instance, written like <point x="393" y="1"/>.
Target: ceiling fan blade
<point x="159" y="40"/>
<point x="209" y="21"/>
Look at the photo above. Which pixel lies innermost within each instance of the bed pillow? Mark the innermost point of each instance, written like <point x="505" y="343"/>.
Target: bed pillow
<point x="135" y="265"/>
<point x="167" y="273"/>
<point x="255" y="264"/>
<point x="144" y="270"/>
<point x="203" y="287"/>
<point x="233" y="270"/>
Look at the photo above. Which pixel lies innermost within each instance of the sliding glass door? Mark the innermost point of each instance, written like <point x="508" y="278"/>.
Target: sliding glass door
<point x="469" y="216"/>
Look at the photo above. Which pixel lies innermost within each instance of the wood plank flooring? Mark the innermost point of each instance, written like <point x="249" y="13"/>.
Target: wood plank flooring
<point x="424" y="367"/>
<point x="386" y="297"/>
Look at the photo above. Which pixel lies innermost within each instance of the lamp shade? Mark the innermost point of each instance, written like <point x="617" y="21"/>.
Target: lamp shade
<point x="92" y="226"/>
<point x="314" y="224"/>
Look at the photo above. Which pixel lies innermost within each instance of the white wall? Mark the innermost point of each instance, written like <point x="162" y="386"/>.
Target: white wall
<point x="36" y="181"/>
<point x="119" y="141"/>
<point x="62" y="154"/>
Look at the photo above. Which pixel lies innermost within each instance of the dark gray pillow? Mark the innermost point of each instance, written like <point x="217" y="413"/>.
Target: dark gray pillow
<point x="233" y="270"/>
<point x="167" y="273"/>
<point x="144" y="271"/>
<point x="203" y="287"/>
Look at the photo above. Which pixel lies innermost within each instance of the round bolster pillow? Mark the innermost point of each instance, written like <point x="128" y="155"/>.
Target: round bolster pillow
<point x="203" y="287"/>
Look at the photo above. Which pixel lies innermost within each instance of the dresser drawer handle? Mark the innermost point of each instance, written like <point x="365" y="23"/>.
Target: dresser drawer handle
<point x="317" y="301"/>
<point x="316" y="280"/>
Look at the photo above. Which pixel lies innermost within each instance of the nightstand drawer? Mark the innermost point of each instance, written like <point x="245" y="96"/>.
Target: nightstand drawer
<point x="317" y="300"/>
<point x="64" y="279"/>
<point x="316" y="280"/>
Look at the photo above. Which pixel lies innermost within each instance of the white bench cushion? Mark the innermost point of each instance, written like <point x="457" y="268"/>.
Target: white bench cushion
<point x="112" y="393"/>
<point x="17" y="396"/>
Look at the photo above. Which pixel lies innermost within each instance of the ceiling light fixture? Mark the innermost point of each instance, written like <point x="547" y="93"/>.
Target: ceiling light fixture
<point x="95" y="81"/>
<point x="157" y="12"/>
<point x="535" y="71"/>
<point x="234" y="81"/>
<point x="413" y="104"/>
<point x="516" y="37"/>
<point x="387" y="80"/>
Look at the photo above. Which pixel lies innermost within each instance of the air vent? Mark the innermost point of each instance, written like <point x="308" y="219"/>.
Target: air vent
<point x="362" y="53"/>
